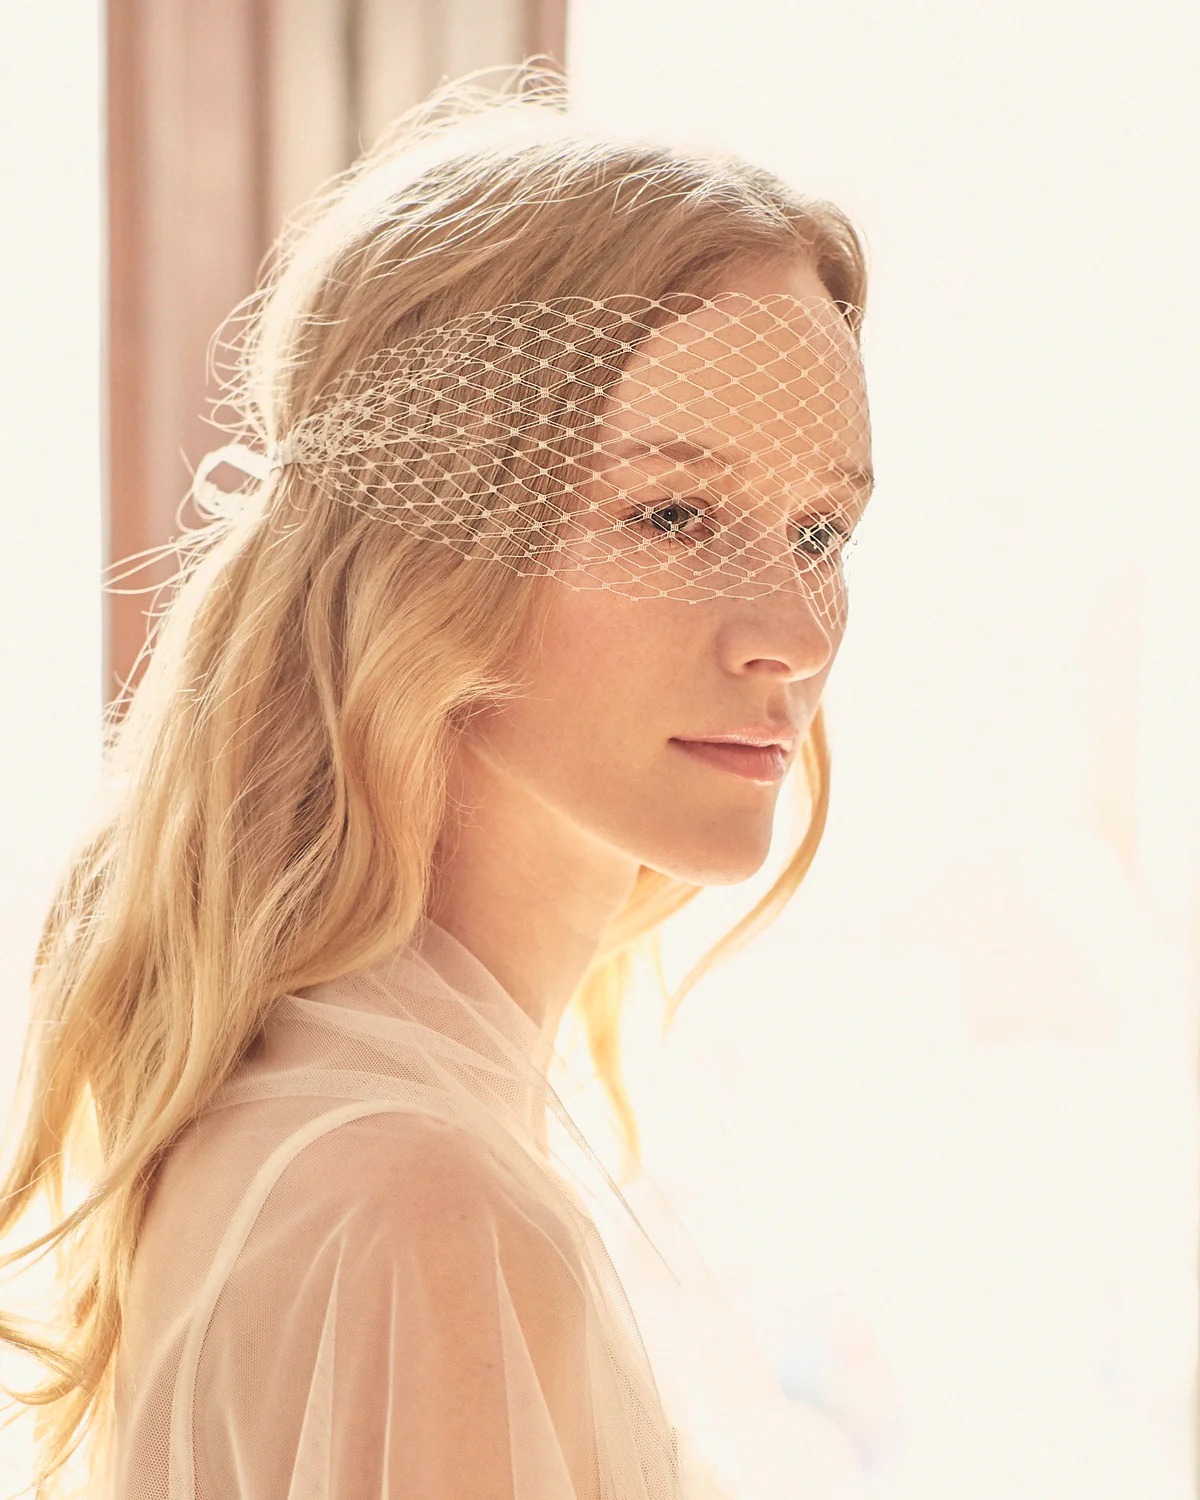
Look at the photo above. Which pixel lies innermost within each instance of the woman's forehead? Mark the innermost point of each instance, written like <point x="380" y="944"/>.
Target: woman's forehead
<point x="761" y="381"/>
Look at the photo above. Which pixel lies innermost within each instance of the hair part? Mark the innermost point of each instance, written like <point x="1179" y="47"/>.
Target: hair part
<point x="274" y="786"/>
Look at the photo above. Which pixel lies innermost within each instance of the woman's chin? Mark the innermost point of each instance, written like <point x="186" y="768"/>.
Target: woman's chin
<point x="715" y="862"/>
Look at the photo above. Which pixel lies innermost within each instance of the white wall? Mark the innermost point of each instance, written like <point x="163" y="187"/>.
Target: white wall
<point x="951" y="1095"/>
<point x="51" y="163"/>
<point x="51" y="273"/>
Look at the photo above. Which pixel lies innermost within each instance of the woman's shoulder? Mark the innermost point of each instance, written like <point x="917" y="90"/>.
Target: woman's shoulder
<point x="420" y="1177"/>
<point x="367" y="1155"/>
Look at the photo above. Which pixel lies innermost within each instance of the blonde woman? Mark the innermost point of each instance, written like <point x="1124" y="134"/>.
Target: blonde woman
<point x="557" y="441"/>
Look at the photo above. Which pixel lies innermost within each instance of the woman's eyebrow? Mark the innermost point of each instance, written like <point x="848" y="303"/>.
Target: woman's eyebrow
<point x="681" y="450"/>
<point x="688" y="451"/>
<point x="855" y="476"/>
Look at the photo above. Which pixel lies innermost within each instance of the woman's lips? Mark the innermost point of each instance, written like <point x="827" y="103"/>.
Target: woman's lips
<point x="766" y="764"/>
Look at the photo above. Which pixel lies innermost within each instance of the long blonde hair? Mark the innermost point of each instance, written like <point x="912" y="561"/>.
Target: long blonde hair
<point x="275" y="784"/>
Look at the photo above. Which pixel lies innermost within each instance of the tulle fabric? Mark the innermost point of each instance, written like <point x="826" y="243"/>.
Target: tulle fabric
<point x="385" y="1264"/>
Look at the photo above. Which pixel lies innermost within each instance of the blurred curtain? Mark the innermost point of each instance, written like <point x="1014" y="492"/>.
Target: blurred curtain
<point x="224" y="115"/>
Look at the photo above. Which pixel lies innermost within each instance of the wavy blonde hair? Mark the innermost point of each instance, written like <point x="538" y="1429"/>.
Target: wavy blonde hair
<point x="275" y="785"/>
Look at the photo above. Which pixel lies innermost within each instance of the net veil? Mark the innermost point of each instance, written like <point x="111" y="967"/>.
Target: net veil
<point x="683" y="447"/>
<point x="385" y="1261"/>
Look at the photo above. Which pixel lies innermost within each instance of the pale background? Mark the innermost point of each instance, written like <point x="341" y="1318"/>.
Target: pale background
<point x="937" y="1131"/>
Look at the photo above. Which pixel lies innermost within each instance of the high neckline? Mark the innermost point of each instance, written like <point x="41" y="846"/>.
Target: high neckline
<point x="443" y="998"/>
<point x="457" y="966"/>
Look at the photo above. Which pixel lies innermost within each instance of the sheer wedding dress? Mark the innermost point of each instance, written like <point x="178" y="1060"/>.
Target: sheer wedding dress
<point x="385" y="1264"/>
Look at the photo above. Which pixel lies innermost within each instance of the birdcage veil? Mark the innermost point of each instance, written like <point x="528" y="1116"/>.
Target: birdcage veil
<point x="684" y="447"/>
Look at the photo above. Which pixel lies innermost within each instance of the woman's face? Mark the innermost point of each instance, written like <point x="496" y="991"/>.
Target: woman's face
<point x="590" y="753"/>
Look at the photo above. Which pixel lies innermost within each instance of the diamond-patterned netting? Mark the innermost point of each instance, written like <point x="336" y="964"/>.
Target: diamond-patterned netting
<point x="684" y="447"/>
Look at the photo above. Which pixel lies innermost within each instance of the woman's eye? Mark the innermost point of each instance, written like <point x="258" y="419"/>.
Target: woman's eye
<point x="668" y="522"/>
<point x="836" y="534"/>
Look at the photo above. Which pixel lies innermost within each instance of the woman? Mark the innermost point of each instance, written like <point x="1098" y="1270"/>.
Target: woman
<point x="565" y="437"/>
